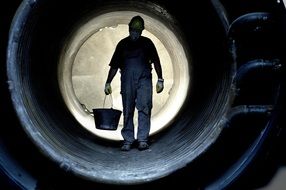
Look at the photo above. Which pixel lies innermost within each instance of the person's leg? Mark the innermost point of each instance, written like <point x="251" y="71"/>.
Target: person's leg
<point x="144" y="106"/>
<point x="128" y="100"/>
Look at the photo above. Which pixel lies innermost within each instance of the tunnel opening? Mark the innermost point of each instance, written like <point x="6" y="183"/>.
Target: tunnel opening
<point x="44" y="114"/>
<point x="85" y="59"/>
<point x="57" y="132"/>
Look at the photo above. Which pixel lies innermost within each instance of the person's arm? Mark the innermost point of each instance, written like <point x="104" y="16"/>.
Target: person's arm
<point x="115" y="62"/>
<point x="155" y="59"/>
<point x="112" y="72"/>
<point x="114" y="65"/>
<point x="157" y="66"/>
<point x="158" y="69"/>
<point x="160" y="81"/>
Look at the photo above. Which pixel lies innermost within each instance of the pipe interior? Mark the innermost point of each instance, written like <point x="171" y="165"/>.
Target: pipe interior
<point x="85" y="59"/>
<point x="49" y="121"/>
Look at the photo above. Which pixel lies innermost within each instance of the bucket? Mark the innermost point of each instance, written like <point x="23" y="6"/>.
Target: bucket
<point x="106" y="118"/>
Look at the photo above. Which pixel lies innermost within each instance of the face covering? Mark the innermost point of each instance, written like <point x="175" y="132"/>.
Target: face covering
<point x="134" y="35"/>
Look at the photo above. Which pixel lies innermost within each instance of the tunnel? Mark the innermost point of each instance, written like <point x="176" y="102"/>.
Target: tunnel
<point x="214" y="126"/>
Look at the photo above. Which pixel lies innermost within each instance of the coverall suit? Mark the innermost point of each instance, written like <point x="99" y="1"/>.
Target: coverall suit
<point x="134" y="59"/>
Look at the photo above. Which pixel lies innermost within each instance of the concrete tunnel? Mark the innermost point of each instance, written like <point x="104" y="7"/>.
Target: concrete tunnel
<point x="223" y="66"/>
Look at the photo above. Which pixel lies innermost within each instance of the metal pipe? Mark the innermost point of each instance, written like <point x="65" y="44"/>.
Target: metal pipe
<point x="256" y="17"/>
<point x="243" y="162"/>
<point x="246" y="110"/>
<point x="221" y="13"/>
<point x="254" y="65"/>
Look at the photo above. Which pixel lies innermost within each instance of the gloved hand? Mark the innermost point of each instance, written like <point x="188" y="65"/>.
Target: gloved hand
<point x="107" y="89"/>
<point x="160" y="85"/>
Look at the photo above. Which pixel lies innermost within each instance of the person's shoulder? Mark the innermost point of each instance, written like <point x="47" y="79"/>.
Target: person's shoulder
<point x="147" y="42"/>
<point x="146" y="39"/>
<point x="122" y="41"/>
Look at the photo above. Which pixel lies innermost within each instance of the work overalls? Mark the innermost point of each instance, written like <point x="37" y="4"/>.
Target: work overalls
<point x="136" y="91"/>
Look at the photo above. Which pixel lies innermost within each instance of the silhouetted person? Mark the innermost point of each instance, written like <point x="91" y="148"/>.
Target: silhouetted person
<point x="134" y="56"/>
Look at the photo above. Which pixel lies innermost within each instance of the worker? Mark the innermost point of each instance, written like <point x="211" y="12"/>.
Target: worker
<point x="134" y="56"/>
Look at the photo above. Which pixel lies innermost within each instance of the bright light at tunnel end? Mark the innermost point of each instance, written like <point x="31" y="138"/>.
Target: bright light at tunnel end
<point x="78" y="64"/>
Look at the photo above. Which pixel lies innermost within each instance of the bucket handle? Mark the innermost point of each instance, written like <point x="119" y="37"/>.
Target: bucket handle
<point x="111" y="100"/>
<point x="90" y="112"/>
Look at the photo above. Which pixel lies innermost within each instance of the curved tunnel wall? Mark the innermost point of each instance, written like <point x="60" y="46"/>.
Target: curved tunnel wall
<point x="49" y="124"/>
<point x="85" y="59"/>
<point x="36" y="44"/>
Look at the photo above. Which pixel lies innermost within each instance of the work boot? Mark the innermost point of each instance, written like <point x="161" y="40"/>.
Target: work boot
<point x="143" y="145"/>
<point x="126" y="147"/>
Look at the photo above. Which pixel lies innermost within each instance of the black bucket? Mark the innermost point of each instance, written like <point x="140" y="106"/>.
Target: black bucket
<point x="106" y="118"/>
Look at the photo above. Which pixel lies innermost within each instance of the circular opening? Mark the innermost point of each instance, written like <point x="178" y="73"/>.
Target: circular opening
<point x="48" y="102"/>
<point x="83" y="69"/>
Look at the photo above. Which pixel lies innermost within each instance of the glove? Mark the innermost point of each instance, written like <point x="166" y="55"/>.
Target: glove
<point x="160" y="85"/>
<point x="107" y="89"/>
